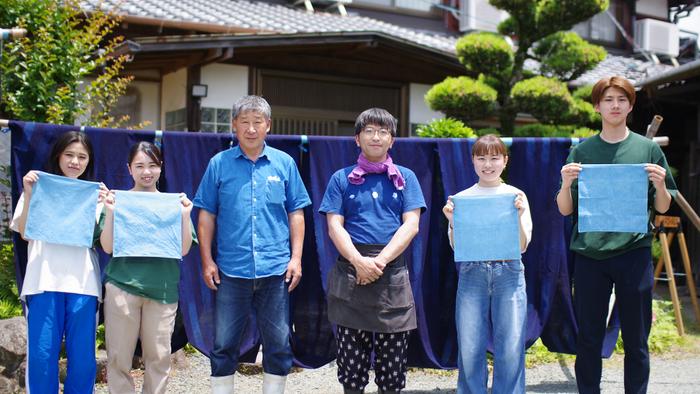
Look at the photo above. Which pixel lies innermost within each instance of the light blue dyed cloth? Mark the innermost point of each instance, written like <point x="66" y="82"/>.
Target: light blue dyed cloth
<point x="147" y="225"/>
<point x="486" y="228"/>
<point x="62" y="210"/>
<point x="613" y="198"/>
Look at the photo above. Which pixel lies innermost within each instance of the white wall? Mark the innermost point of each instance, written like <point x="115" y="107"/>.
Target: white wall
<point x="150" y="103"/>
<point x="174" y="92"/>
<point x="655" y="8"/>
<point x="418" y="111"/>
<point x="226" y="84"/>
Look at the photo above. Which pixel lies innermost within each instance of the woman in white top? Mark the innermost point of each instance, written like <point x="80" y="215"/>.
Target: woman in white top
<point x="61" y="285"/>
<point x="492" y="293"/>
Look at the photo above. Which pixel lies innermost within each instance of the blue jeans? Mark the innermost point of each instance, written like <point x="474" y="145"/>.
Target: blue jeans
<point x="491" y="296"/>
<point x="235" y="298"/>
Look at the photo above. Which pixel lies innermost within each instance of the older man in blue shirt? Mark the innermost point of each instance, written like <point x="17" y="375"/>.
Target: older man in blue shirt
<point x="251" y="197"/>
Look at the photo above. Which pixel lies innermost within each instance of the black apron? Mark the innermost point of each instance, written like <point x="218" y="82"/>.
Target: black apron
<point x="385" y="305"/>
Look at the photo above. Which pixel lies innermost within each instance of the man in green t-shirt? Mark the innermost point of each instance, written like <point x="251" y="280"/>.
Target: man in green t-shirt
<point x="604" y="259"/>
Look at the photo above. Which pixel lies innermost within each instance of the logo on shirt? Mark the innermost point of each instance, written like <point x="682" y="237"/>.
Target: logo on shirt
<point x="375" y="195"/>
<point x="273" y="178"/>
<point x="395" y="196"/>
<point x="352" y="196"/>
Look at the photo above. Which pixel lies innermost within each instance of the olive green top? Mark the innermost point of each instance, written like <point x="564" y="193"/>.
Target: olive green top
<point x="635" y="149"/>
<point x="155" y="278"/>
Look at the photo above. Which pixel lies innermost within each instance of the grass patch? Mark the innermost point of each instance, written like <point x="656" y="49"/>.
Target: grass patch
<point x="538" y="354"/>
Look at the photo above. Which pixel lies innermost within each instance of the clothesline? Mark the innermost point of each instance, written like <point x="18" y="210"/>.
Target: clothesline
<point x="304" y="139"/>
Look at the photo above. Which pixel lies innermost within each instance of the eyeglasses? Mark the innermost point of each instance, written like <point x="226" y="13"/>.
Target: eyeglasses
<point x="369" y="131"/>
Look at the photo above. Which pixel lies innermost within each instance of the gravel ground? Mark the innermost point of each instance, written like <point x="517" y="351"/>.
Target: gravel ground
<point x="668" y="375"/>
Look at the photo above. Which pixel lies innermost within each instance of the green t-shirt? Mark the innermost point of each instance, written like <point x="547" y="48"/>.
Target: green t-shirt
<point x="155" y="278"/>
<point x="634" y="149"/>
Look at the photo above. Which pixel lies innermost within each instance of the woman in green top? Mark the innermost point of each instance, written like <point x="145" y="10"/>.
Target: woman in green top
<point x="141" y="293"/>
<point x="604" y="259"/>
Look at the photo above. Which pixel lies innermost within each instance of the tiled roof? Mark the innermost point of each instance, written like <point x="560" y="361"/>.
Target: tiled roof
<point x="267" y="17"/>
<point x="633" y="69"/>
<point x="285" y="19"/>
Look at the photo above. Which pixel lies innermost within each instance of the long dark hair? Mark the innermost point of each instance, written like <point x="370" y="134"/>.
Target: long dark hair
<point x="149" y="149"/>
<point x="60" y="145"/>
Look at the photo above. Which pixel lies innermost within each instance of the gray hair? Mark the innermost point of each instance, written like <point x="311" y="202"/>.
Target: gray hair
<point x="254" y="104"/>
<point x="376" y="116"/>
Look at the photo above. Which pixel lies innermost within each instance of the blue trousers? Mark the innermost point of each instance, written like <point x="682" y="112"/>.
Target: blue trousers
<point x="235" y="300"/>
<point x="633" y="276"/>
<point x="50" y="317"/>
<point x="491" y="297"/>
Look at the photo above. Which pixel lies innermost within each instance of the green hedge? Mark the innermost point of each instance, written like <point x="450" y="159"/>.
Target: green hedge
<point x="485" y="53"/>
<point x="547" y="99"/>
<point x="445" y="128"/>
<point x="462" y="98"/>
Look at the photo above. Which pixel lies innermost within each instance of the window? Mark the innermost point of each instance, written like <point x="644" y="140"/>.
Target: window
<point x="216" y="120"/>
<point x="601" y="27"/>
<point x="176" y="120"/>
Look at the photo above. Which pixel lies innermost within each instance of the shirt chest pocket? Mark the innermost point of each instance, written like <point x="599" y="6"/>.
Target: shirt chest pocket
<point x="274" y="191"/>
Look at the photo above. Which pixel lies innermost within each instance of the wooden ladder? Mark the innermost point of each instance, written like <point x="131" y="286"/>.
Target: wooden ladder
<point x="668" y="228"/>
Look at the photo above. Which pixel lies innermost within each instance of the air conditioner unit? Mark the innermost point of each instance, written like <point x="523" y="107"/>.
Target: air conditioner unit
<point x="479" y="15"/>
<point x="657" y="37"/>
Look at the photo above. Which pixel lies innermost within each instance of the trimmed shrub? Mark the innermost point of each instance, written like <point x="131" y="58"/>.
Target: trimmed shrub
<point x="548" y="130"/>
<point x="547" y="99"/>
<point x="583" y="113"/>
<point x="462" y="98"/>
<point x="487" y="130"/>
<point x="445" y="128"/>
<point x="583" y="93"/>
<point x="485" y="53"/>
<point x="567" y="56"/>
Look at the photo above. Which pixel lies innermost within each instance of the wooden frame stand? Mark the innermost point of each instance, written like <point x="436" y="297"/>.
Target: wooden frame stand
<point x="668" y="228"/>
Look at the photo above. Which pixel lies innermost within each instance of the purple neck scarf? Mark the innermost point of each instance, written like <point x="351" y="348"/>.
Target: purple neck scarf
<point x="364" y="166"/>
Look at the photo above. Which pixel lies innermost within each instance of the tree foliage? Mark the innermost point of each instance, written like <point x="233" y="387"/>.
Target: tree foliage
<point x="64" y="70"/>
<point x="462" y="98"/>
<point x="485" y="53"/>
<point x="537" y="28"/>
<point x="567" y="56"/>
<point x="445" y="128"/>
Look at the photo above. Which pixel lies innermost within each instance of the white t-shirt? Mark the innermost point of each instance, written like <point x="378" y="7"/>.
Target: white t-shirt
<point x="525" y="219"/>
<point x="60" y="268"/>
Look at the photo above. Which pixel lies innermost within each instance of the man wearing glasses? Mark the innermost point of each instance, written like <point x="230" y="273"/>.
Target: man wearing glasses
<point x="372" y="209"/>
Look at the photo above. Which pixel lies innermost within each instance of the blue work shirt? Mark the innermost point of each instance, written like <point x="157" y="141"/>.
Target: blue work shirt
<point x="251" y="201"/>
<point x="372" y="211"/>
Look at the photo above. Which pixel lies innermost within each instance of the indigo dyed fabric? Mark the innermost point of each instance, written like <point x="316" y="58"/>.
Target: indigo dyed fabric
<point x="613" y="198"/>
<point x="62" y="210"/>
<point x="442" y="166"/>
<point x="486" y="228"/>
<point x="147" y="225"/>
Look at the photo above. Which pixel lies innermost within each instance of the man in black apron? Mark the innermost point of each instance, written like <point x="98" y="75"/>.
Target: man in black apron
<point x="373" y="209"/>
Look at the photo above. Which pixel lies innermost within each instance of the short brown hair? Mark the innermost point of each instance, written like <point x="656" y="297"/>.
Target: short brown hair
<point x="616" y="81"/>
<point x="489" y="144"/>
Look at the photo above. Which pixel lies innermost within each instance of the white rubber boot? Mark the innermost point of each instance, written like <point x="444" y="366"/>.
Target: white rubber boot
<point x="273" y="384"/>
<point x="222" y="384"/>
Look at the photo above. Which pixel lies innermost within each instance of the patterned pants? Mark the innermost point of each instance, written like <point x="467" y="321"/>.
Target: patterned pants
<point x="354" y="358"/>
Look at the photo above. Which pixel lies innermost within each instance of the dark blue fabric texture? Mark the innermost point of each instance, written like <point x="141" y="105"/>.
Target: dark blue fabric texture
<point x="443" y="167"/>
